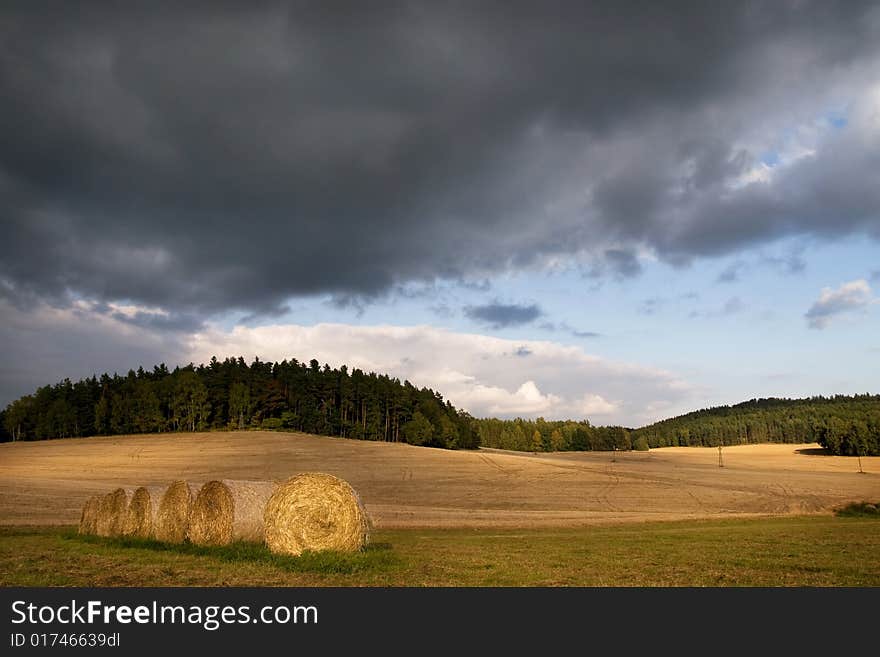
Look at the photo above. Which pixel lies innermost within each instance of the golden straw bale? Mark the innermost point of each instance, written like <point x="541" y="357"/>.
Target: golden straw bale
<point x="315" y="511"/>
<point x="88" y="522"/>
<point x="226" y="511"/>
<point x="172" y="520"/>
<point x="112" y="511"/>
<point x="143" y="511"/>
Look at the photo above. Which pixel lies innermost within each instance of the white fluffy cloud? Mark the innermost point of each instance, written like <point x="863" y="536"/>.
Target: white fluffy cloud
<point x="486" y="375"/>
<point x="849" y="297"/>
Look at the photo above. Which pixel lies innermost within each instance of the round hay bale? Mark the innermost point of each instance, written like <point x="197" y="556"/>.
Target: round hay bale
<point x="103" y="517"/>
<point x="112" y="511"/>
<point x="226" y="511"/>
<point x="143" y="510"/>
<point x="315" y="511"/>
<point x="89" y="519"/>
<point x="172" y="520"/>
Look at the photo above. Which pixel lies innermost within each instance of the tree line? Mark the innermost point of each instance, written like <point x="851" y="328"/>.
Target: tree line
<point x="291" y="395"/>
<point x="232" y="394"/>
<point x="552" y="436"/>
<point x="844" y="425"/>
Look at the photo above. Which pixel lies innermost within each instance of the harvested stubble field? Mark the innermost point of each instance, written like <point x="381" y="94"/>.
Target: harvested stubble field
<point x="665" y="517"/>
<point x="47" y="482"/>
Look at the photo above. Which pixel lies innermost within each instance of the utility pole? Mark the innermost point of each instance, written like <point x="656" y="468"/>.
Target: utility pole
<point x="720" y="457"/>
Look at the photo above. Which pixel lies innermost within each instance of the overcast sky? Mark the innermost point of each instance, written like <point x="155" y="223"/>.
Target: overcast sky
<point x="602" y="210"/>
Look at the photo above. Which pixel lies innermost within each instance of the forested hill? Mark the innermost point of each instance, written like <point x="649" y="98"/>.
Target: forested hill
<point x="844" y="425"/>
<point x="231" y="394"/>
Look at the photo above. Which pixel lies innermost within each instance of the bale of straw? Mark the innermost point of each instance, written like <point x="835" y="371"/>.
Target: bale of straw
<point x="143" y="511"/>
<point x="226" y="511"/>
<point x="88" y="522"/>
<point x="315" y="511"/>
<point x="103" y="517"/>
<point x="112" y="511"/>
<point x="172" y="520"/>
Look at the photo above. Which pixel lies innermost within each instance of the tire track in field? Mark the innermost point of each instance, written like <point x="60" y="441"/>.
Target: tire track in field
<point x="613" y="482"/>
<point x="602" y="496"/>
<point x="494" y="464"/>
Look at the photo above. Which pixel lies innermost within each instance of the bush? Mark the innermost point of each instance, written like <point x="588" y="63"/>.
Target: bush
<point x="272" y="424"/>
<point x="859" y="510"/>
<point x="640" y="444"/>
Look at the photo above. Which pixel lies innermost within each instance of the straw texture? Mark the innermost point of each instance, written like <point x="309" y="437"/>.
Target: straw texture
<point x="315" y="511"/>
<point x="227" y="510"/>
<point x="172" y="520"/>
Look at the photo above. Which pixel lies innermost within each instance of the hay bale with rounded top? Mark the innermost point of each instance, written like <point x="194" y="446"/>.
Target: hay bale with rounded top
<point x="315" y="511"/>
<point x="143" y="511"/>
<point x="88" y="521"/>
<point x="111" y="512"/>
<point x="226" y="511"/>
<point x="172" y="520"/>
<point x="103" y="517"/>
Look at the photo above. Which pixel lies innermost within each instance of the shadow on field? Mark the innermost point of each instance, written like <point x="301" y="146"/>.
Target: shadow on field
<point x="373" y="557"/>
<point x="812" y="451"/>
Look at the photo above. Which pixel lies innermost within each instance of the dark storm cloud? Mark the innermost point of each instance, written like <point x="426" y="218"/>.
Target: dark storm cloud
<point x="623" y="262"/>
<point x="45" y="345"/>
<point x="501" y="315"/>
<point x="229" y="156"/>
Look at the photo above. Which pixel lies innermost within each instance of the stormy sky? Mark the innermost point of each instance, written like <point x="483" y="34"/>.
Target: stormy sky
<point x="613" y="210"/>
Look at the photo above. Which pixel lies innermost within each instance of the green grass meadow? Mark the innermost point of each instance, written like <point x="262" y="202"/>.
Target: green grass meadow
<point x="793" y="551"/>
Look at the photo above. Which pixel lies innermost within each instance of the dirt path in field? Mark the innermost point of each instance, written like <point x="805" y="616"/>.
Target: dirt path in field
<point x="403" y="486"/>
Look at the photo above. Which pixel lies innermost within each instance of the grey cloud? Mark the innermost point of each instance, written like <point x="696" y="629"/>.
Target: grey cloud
<point x="565" y="327"/>
<point x="44" y="345"/>
<point x="791" y="263"/>
<point x="216" y="157"/>
<point x="731" y="272"/>
<point x="501" y="315"/>
<point x="651" y="306"/>
<point x="181" y="322"/>
<point x="623" y="262"/>
<point x="585" y="334"/>
<point x="441" y="310"/>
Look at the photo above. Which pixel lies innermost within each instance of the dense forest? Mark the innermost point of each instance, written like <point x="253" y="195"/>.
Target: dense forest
<point x="842" y="424"/>
<point x="231" y="394"/>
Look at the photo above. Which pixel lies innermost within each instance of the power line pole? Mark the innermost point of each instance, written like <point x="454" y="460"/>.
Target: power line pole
<point x="720" y="457"/>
